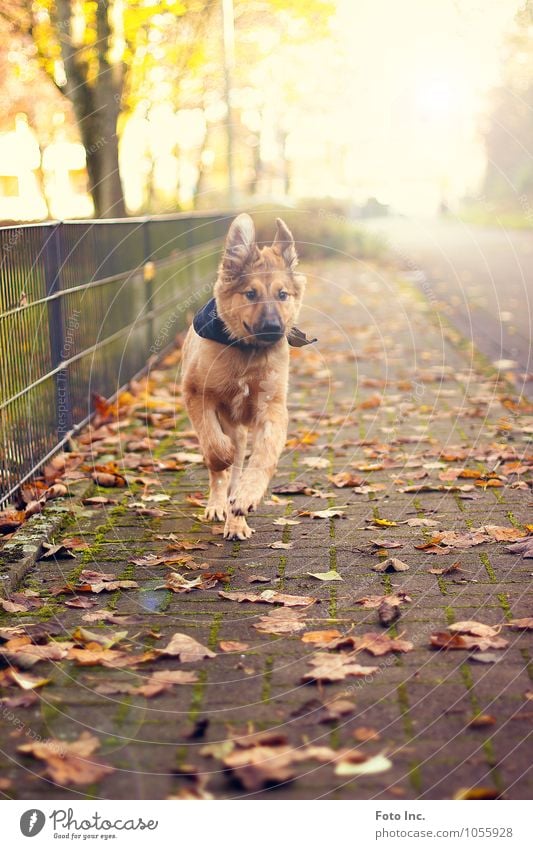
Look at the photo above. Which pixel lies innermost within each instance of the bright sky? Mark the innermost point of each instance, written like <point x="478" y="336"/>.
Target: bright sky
<point x="412" y="79"/>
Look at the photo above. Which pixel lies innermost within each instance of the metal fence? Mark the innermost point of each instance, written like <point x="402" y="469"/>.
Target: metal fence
<point x="81" y="312"/>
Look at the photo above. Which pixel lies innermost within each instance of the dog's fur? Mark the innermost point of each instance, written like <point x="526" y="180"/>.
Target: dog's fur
<point x="232" y="389"/>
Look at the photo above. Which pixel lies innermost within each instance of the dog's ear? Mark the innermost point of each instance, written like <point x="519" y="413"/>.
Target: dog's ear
<point x="284" y="244"/>
<point x="240" y="245"/>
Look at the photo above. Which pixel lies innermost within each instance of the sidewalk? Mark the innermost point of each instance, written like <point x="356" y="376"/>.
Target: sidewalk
<point x="401" y="445"/>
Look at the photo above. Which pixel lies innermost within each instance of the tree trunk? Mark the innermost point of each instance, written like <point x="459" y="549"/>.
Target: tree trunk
<point x="97" y="107"/>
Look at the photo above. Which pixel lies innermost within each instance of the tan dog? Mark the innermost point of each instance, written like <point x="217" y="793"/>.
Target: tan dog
<point x="236" y="369"/>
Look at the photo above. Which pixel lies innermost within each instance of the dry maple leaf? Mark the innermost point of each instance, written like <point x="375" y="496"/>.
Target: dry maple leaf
<point x="332" y="711"/>
<point x="261" y="766"/>
<point x="270" y="597"/>
<point x="69" y="763"/>
<point x="187" y="649"/>
<point x="447" y="640"/>
<point x="523" y="547"/>
<point x="342" y="479"/>
<point x="22" y="679"/>
<point x="321" y="638"/>
<point x="475" y="629"/>
<point x="281" y="621"/>
<point x="375" y="644"/>
<point x="391" y="564"/>
<point x="521" y="624"/>
<point x="372" y="601"/>
<point x="164" y="680"/>
<point x="336" y="667"/>
<point x="232" y="646"/>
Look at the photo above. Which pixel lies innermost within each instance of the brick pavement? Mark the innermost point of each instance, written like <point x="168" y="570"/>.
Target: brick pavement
<point x="395" y="397"/>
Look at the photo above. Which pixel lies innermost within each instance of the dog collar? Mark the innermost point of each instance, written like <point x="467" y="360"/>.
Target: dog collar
<point x="208" y="324"/>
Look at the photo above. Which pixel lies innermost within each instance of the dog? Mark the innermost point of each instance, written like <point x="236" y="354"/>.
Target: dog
<point x="235" y="369"/>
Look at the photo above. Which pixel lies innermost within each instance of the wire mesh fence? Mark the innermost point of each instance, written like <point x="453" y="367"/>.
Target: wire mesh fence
<point x="83" y="305"/>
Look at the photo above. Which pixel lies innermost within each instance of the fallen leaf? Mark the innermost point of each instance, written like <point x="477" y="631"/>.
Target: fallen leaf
<point x="336" y="709"/>
<point x="477" y="793"/>
<point x="336" y="667"/>
<point x="447" y="640"/>
<point x="187" y="649"/>
<point x="422" y="523"/>
<point x="283" y="521"/>
<point x="375" y="644"/>
<point x="476" y="629"/>
<point x="446" y="570"/>
<point x="386" y="543"/>
<point x="232" y="646"/>
<point x="384" y="523"/>
<point x="281" y="621"/>
<point x="314" y="463"/>
<point x="372" y="601"/>
<point x="293" y="488"/>
<point x="261" y="766"/>
<point x="482" y="720"/>
<point x="371" y="766"/>
<point x="321" y="638"/>
<point x="342" y="479"/>
<point x="69" y="763"/>
<point x="392" y="564"/>
<point x="331" y="575"/>
<point x="521" y="624"/>
<point x="524" y="547"/>
<point x="279" y="544"/>
<point x="270" y="597"/>
<point x="364" y="734"/>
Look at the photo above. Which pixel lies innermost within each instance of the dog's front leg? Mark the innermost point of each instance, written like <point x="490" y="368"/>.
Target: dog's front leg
<point x="269" y="440"/>
<point x="216" y="446"/>
<point x="237" y="527"/>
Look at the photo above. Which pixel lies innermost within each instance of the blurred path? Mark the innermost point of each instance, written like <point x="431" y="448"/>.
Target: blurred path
<point x="482" y="277"/>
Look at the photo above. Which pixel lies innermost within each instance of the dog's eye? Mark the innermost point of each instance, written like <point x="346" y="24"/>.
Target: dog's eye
<point x="250" y="295"/>
<point x="283" y="295"/>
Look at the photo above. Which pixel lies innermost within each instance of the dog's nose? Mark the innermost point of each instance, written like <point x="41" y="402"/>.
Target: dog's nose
<point x="271" y="331"/>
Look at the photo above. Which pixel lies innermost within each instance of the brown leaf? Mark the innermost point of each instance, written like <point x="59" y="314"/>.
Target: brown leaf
<point x="164" y="680"/>
<point x="261" y="766"/>
<point x="69" y="763"/>
<point x="321" y="638"/>
<point x="187" y="649"/>
<point x="392" y="564"/>
<point x="446" y="570"/>
<point x="477" y="793"/>
<point x="292" y="488"/>
<point x="447" y="640"/>
<point x="342" y="479"/>
<point x="372" y="601"/>
<point x="336" y="667"/>
<point x="375" y="644"/>
<point x="521" y="624"/>
<point x="270" y="597"/>
<point x="332" y="711"/>
<point x="482" y="720"/>
<point x="475" y="629"/>
<point x="524" y="547"/>
<point x="23" y="679"/>
<point x="364" y="734"/>
<point x="59" y="550"/>
<point x="232" y="646"/>
<point x="281" y="621"/>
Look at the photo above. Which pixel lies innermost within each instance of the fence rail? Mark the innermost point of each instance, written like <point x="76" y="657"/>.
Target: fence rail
<point x="81" y="312"/>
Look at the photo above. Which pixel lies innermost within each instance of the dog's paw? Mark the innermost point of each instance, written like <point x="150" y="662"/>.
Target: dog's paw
<point x="245" y="501"/>
<point x="215" y="513"/>
<point x="237" y="527"/>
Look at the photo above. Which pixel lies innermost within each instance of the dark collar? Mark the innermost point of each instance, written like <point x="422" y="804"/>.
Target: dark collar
<point x="208" y="324"/>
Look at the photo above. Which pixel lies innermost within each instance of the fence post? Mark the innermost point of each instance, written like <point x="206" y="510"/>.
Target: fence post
<point x="53" y="260"/>
<point x="149" y="273"/>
